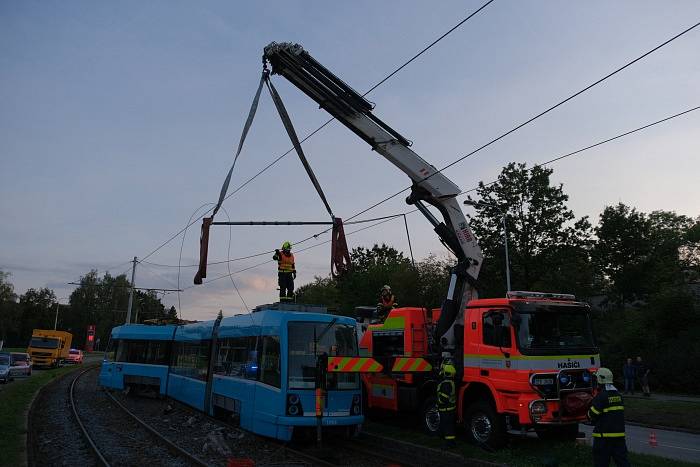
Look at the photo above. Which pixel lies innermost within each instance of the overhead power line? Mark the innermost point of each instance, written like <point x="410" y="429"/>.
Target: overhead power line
<point x="382" y="81"/>
<point x="532" y="119"/>
<point x="600" y="143"/>
<point x="556" y="159"/>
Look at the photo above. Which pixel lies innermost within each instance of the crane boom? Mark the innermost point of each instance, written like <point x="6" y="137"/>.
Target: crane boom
<point x="429" y="185"/>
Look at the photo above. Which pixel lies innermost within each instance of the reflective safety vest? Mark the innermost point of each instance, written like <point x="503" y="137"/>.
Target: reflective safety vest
<point x="446" y="396"/>
<point x="285" y="263"/>
<point x="608" y="413"/>
<point x="388" y="302"/>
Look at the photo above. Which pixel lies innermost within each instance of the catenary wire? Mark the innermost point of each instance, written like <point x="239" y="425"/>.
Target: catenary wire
<point x="570" y="154"/>
<point x="556" y="159"/>
<point x="532" y="119"/>
<point x="599" y="143"/>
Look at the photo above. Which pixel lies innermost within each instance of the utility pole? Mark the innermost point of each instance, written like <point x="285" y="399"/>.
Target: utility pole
<point x="55" y="321"/>
<point x="131" y="292"/>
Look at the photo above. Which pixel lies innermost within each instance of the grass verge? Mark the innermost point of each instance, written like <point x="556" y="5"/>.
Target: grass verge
<point x="14" y="402"/>
<point x="520" y="452"/>
<point x="677" y="414"/>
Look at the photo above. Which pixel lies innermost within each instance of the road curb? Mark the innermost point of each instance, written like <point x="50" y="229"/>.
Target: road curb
<point x="663" y="427"/>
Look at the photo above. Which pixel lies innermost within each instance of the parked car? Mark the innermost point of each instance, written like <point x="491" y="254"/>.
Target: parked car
<point x="75" y="356"/>
<point x="5" y="368"/>
<point x="20" y="364"/>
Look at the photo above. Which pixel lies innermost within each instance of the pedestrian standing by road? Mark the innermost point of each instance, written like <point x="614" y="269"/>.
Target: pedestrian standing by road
<point x="447" y="403"/>
<point x="607" y="412"/>
<point x="629" y="373"/>
<point x="643" y="375"/>
<point x="286" y="272"/>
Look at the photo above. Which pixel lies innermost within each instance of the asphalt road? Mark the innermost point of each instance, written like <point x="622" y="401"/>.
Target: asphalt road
<point x="670" y="444"/>
<point x="89" y="358"/>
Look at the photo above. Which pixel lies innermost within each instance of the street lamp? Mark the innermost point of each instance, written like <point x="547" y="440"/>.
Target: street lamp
<point x="55" y="321"/>
<point x="505" y="233"/>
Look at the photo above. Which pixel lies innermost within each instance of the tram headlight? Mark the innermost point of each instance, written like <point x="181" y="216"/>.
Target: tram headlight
<point x="294" y="408"/>
<point x="356" y="406"/>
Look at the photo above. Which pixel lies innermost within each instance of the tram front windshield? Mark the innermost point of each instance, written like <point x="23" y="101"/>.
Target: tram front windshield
<point x="308" y="341"/>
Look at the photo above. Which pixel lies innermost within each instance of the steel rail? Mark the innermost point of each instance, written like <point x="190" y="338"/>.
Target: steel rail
<point x="101" y="459"/>
<point x="172" y="446"/>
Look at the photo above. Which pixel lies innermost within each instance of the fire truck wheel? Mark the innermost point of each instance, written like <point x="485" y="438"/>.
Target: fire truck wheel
<point x="484" y="426"/>
<point x="430" y="416"/>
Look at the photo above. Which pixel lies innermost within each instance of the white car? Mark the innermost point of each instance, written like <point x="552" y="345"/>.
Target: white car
<point x="20" y="364"/>
<point x="5" y="367"/>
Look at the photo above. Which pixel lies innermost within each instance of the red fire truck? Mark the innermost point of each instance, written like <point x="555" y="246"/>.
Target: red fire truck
<point x="527" y="363"/>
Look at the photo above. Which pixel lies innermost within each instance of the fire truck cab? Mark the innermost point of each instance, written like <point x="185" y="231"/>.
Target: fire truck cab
<point x="526" y="364"/>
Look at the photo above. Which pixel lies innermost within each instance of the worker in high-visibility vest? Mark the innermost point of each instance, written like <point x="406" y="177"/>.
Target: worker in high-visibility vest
<point x="286" y="272"/>
<point x="607" y="412"/>
<point x="387" y="302"/>
<point x="447" y="403"/>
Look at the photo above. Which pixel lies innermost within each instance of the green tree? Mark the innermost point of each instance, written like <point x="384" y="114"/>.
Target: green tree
<point x="640" y="255"/>
<point x="37" y="311"/>
<point x="548" y="246"/>
<point x="100" y="301"/>
<point x="171" y="314"/>
<point x="424" y="285"/>
<point x="9" y="311"/>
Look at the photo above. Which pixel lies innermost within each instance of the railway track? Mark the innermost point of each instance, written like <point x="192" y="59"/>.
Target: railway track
<point x="117" y="430"/>
<point x="125" y="439"/>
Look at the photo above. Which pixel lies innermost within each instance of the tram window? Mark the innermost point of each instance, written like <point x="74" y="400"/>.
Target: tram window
<point x="141" y="351"/>
<point x="308" y="341"/>
<point x="191" y="359"/>
<point x="270" y="364"/>
<point x="157" y="353"/>
<point x="110" y="351"/>
<point x="237" y="356"/>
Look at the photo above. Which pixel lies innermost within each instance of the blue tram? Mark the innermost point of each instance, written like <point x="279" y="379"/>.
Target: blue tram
<point x="258" y="369"/>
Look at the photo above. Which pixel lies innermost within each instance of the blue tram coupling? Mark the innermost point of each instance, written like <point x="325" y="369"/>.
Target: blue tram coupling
<point x="257" y="370"/>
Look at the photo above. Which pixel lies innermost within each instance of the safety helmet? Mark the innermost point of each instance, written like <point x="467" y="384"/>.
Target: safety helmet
<point x="286" y="246"/>
<point x="447" y="370"/>
<point x="604" y="376"/>
<point x="387" y="288"/>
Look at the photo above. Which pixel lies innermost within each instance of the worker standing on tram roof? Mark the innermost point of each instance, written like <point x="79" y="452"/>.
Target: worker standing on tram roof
<point x="607" y="413"/>
<point x="286" y="272"/>
<point x="387" y="302"/>
<point x="447" y="403"/>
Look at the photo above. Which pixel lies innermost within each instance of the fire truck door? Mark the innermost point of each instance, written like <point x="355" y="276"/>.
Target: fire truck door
<point x="495" y="347"/>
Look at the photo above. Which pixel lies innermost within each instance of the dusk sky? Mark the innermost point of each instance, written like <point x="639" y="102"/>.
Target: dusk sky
<point x="118" y="120"/>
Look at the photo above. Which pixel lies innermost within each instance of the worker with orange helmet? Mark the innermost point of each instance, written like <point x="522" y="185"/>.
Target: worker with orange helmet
<point x="286" y="272"/>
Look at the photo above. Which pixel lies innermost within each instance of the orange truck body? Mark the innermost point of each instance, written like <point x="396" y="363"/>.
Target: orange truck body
<point x="527" y="386"/>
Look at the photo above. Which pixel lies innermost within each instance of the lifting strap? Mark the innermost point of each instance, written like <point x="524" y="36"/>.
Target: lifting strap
<point x="207" y="221"/>
<point x="340" y="256"/>
<point x="295" y="141"/>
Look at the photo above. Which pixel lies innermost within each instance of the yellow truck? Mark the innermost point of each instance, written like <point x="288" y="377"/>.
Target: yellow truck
<point x="49" y="347"/>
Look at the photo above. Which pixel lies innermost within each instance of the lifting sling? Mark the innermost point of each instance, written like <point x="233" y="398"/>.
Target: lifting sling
<point x="340" y="256"/>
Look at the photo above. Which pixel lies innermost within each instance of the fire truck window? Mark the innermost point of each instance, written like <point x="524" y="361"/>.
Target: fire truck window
<point x="489" y="330"/>
<point x="388" y="345"/>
